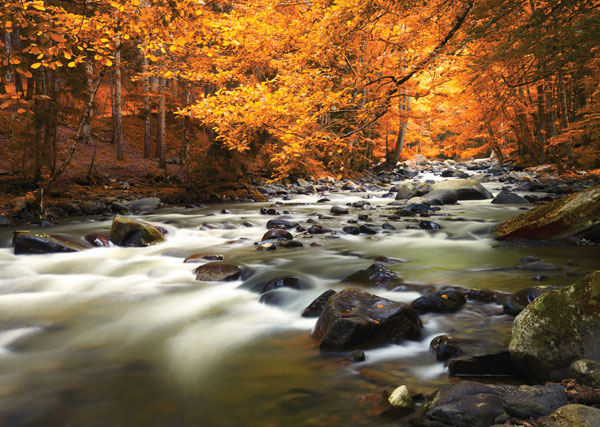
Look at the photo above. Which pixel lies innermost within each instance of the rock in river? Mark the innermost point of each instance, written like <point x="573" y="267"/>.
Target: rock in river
<point x="377" y="276"/>
<point x="573" y="415"/>
<point x="220" y="272"/>
<point x="354" y="319"/>
<point x="575" y="215"/>
<point x="466" y="189"/>
<point x="28" y="242"/>
<point x="556" y="329"/>
<point x="131" y="232"/>
<point x="444" y="301"/>
<point x="506" y="198"/>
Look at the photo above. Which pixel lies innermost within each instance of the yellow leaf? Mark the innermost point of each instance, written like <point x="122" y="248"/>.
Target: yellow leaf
<point x="67" y="55"/>
<point x="108" y="63"/>
<point x="40" y="56"/>
<point x="71" y="64"/>
<point x="104" y="40"/>
<point x="36" y="65"/>
<point x="172" y="48"/>
<point x="22" y="110"/>
<point x="126" y="36"/>
<point x="5" y="104"/>
<point x="39" y="5"/>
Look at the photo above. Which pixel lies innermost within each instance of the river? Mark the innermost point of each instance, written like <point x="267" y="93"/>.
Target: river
<point x="127" y="336"/>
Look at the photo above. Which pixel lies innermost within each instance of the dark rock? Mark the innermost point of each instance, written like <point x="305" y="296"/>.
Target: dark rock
<point x="417" y="208"/>
<point x="148" y="204"/>
<point x="447" y="173"/>
<point x="355" y="356"/>
<point x="441" y="197"/>
<point x="351" y="229"/>
<point x="466" y="189"/>
<point x="318" y="229"/>
<point x="277" y="233"/>
<point x="377" y="276"/>
<point x="130" y="232"/>
<point x="388" y="226"/>
<point x="338" y="210"/>
<point x="443" y="301"/>
<point x="539" y="266"/>
<point x="281" y="224"/>
<point x="354" y="319"/>
<point x="528" y="259"/>
<point x="98" y="240"/>
<point x="316" y="307"/>
<point x="89" y="207"/>
<point x="220" y="272"/>
<point x="506" y="198"/>
<point x="28" y="242"/>
<point x="269" y="211"/>
<point x="365" y="229"/>
<point x="290" y="244"/>
<point x="466" y="404"/>
<point x="516" y="302"/>
<point x="323" y="200"/>
<point x="445" y="347"/>
<point x="558" y="328"/>
<point x="406" y="191"/>
<point x="429" y="225"/>
<point x="485" y="365"/>
<point x="570" y="216"/>
<point x="363" y="217"/>
<point x="526" y="402"/>
<point x="360" y="204"/>
<point x="481" y="295"/>
<point x="291" y="282"/>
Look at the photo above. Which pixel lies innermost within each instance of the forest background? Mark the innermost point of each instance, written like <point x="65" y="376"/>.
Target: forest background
<point x="215" y="95"/>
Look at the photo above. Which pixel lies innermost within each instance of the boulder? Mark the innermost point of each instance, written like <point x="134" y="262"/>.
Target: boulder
<point x="131" y="232"/>
<point x="377" y="276"/>
<point x="507" y="198"/>
<point x="443" y="301"/>
<point x="515" y="303"/>
<point x="573" y="215"/>
<point x="556" y="329"/>
<point x="466" y="189"/>
<point x="281" y="224"/>
<point x="316" y="307"/>
<point x="28" y="242"/>
<point x="338" y="210"/>
<point x="441" y="197"/>
<point x="484" y="365"/>
<point x="277" y="233"/>
<point x="572" y="415"/>
<point x="406" y="191"/>
<point x="354" y="319"/>
<point x="147" y="204"/>
<point x="220" y="272"/>
<point x="445" y="347"/>
<point x="534" y="401"/>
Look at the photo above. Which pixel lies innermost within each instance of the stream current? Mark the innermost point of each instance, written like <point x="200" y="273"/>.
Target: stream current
<point x="127" y="336"/>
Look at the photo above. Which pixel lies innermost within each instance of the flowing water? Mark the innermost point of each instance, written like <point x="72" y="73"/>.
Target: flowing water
<point x="127" y="336"/>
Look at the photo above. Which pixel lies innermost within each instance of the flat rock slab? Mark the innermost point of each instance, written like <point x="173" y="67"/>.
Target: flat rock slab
<point x="466" y="189"/>
<point x="569" y="216"/>
<point x="28" y="242"/>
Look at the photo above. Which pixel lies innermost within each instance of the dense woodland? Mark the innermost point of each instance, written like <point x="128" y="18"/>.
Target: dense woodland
<point x="293" y="88"/>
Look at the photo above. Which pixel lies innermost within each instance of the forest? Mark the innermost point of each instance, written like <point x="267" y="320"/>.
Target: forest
<point x="230" y="90"/>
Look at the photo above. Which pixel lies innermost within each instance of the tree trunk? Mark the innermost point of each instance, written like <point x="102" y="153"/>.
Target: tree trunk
<point x="117" y="114"/>
<point x="162" y="120"/>
<point x="147" y="111"/>
<point x="404" y="106"/>
<point x="87" y="126"/>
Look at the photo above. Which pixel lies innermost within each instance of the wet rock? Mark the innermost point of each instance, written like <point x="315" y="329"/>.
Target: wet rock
<point x="482" y="295"/>
<point x="526" y="402"/>
<point x="388" y="226"/>
<point x="355" y="356"/>
<point x="269" y="211"/>
<point x="203" y="257"/>
<point x="406" y="191"/>
<point x="130" y="232"/>
<point x="360" y="204"/>
<point x="441" y="197"/>
<point x="277" y="233"/>
<point x="586" y="372"/>
<point x="445" y="347"/>
<point x="417" y="208"/>
<point x="338" y="210"/>
<point x="354" y="319"/>
<point x="429" y="225"/>
<point x="570" y="216"/>
<point x="318" y="229"/>
<point x="220" y="272"/>
<point x="291" y="282"/>
<point x="466" y="189"/>
<point x="316" y="307"/>
<point x="281" y="224"/>
<point x="447" y="173"/>
<point x="377" y="276"/>
<point x="147" y="204"/>
<point x="496" y="364"/>
<point x="516" y="302"/>
<point x="573" y="415"/>
<point x="556" y="329"/>
<point x="98" y="240"/>
<point x="466" y="404"/>
<point x="351" y="229"/>
<point x="400" y="398"/>
<point x="28" y="242"/>
<point x="506" y="198"/>
<point x="443" y="301"/>
<point x="365" y="229"/>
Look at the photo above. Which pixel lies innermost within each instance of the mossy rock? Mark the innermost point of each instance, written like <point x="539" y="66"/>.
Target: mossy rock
<point x="573" y="215"/>
<point x="556" y="329"/>
<point x="130" y="232"/>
